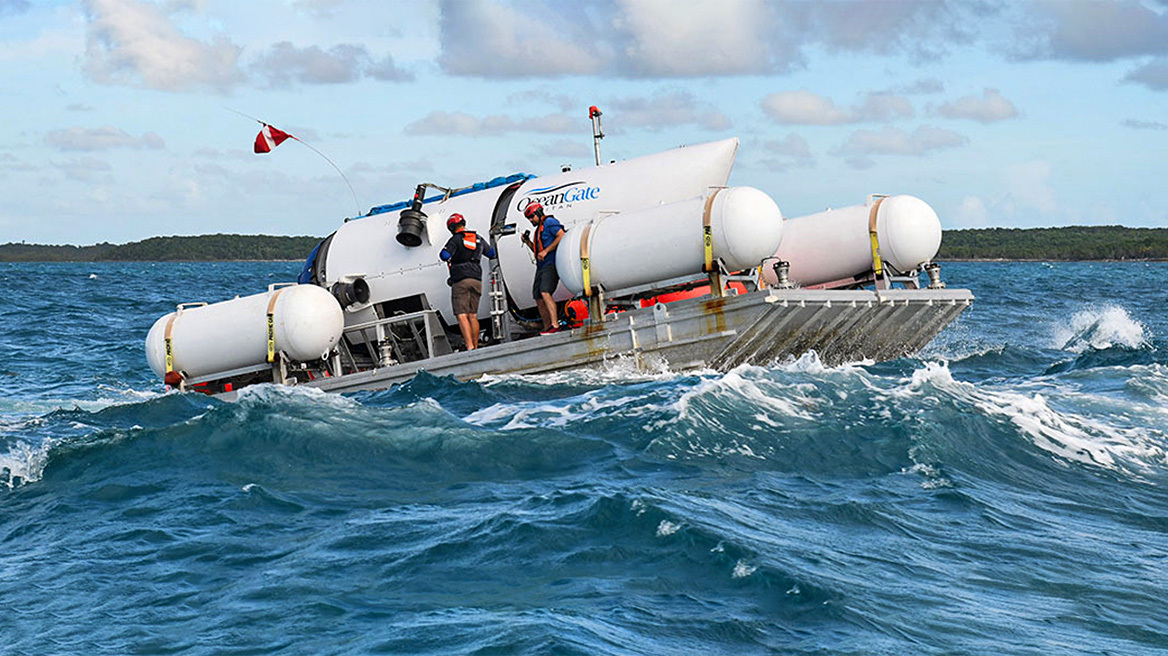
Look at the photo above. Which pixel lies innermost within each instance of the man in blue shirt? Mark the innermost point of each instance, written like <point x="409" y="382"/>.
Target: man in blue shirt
<point x="462" y="253"/>
<point x="548" y="232"/>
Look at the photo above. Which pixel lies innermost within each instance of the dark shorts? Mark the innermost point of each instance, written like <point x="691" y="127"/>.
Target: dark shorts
<point x="465" y="295"/>
<point x="546" y="280"/>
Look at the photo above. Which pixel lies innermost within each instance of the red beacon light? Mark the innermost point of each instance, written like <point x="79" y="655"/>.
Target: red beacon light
<point x="593" y="111"/>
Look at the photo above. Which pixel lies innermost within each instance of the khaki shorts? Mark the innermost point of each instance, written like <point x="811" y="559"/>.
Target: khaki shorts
<point x="465" y="295"/>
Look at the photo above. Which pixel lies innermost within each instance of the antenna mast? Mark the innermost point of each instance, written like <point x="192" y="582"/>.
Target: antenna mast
<point x="597" y="133"/>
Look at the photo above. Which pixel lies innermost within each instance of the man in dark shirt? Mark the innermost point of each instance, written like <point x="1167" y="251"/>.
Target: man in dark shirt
<point x="462" y="253"/>
<point x="548" y="232"/>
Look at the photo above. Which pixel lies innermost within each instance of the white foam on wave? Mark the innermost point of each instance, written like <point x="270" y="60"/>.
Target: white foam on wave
<point x="268" y="393"/>
<point x="667" y="528"/>
<point x="1100" y="328"/>
<point x="742" y="569"/>
<point x="1151" y="382"/>
<point x="1068" y="435"/>
<point x="24" y="463"/>
<point x="111" y="397"/>
<point x="809" y="363"/>
<point x="614" y="370"/>
<point x="738" y="385"/>
<point x="557" y="413"/>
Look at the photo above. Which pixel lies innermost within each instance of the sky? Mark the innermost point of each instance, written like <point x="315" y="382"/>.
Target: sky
<point x="128" y="119"/>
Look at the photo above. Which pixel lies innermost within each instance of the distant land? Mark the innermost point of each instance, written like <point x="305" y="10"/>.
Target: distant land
<point x="1046" y="244"/>
<point x="202" y="248"/>
<point x="1057" y="244"/>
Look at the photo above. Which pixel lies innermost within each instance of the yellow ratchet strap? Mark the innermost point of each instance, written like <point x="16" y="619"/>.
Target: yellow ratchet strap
<point x="877" y="263"/>
<point x="272" y="325"/>
<point x="169" y="347"/>
<point x="585" y="265"/>
<point x="708" y="234"/>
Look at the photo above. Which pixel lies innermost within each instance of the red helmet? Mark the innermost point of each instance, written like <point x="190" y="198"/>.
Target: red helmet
<point x="454" y="220"/>
<point x="532" y="208"/>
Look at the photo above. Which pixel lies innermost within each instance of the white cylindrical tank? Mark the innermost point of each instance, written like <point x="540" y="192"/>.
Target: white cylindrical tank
<point x="368" y="247"/>
<point x="835" y="244"/>
<point x="666" y="241"/>
<point x="209" y="339"/>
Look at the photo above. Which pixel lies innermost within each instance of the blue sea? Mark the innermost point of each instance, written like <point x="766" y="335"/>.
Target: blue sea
<point x="1003" y="492"/>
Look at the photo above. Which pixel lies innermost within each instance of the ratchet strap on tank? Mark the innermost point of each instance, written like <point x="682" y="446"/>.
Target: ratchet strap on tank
<point x="708" y="234"/>
<point x="877" y="263"/>
<point x="272" y="325"/>
<point x="585" y="265"/>
<point x="169" y="348"/>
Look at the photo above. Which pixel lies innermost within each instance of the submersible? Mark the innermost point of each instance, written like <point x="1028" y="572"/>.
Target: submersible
<point x="662" y="264"/>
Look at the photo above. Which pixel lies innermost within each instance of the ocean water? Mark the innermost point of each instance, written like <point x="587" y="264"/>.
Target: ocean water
<point x="1005" y="492"/>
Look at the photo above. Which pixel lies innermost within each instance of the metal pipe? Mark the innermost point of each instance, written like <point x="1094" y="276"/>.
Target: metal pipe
<point x="597" y="133"/>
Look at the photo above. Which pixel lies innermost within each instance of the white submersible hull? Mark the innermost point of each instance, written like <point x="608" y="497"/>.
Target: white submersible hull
<point x="662" y="264"/>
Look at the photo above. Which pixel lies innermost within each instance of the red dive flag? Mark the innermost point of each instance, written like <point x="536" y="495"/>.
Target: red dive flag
<point x="269" y="138"/>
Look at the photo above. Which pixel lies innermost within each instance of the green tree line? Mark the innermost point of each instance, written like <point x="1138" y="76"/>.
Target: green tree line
<point x="1069" y="243"/>
<point x="203" y="248"/>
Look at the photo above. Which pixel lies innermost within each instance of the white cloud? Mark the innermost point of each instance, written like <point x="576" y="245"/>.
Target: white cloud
<point x="990" y="107"/>
<point x="925" y="85"/>
<point x="664" y="38"/>
<point x="486" y="39"/>
<point x="9" y="162"/>
<point x="319" y="9"/>
<point x="86" y="169"/>
<point x="972" y="212"/>
<point x="806" y="108"/>
<point x="1153" y="75"/>
<point x="13" y="6"/>
<point x="1137" y="124"/>
<point x="1029" y="185"/>
<point x="562" y="101"/>
<point x="667" y="110"/>
<point x="860" y="163"/>
<point x="570" y="148"/>
<point x="463" y="124"/>
<point x="792" y="145"/>
<point x="1093" y="31"/>
<point x="894" y="141"/>
<point x="790" y="152"/>
<point x="283" y="63"/>
<point x="698" y="38"/>
<point x="103" y="138"/>
<point x="134" y="43"/>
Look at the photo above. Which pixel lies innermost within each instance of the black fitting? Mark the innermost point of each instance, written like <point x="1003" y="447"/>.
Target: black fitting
<point x="350" y="293"/>
<point x="411" y="225"/>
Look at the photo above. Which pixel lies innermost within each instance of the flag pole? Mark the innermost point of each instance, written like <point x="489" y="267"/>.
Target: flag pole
<point x="309" y="146"/>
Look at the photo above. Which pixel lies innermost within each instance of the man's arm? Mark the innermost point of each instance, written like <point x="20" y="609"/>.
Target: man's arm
<point x="552" y="246"/>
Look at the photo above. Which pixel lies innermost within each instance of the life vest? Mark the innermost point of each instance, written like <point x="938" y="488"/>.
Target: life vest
<point x="465" y="251"/>
<point x="469" y="250"/>
<point x="537" y="243"/>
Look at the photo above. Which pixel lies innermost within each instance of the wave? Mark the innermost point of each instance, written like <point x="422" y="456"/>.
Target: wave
<point x="909" y="417"/>
<point x="1101" y="328"/>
